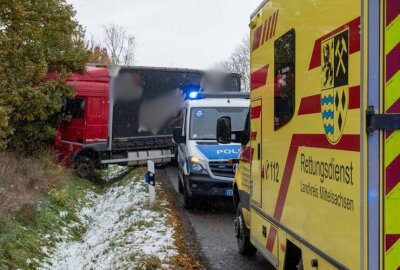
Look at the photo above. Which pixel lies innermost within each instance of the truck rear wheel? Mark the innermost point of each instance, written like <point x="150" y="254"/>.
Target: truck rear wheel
<point x="84" y="167"/>
<point x="243" y="234"/>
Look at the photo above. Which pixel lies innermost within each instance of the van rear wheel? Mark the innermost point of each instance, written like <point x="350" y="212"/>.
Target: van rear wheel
<point x="243" y="234"/>
<point x="84" y="167"/>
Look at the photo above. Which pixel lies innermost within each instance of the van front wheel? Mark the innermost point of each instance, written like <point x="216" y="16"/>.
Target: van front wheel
<point x="187" y="199"/>
<point x="243" y="234"/>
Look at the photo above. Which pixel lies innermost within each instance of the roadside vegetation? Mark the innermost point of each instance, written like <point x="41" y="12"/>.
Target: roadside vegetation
<point x="37" y="199"/>
<point x="67" y="222"/>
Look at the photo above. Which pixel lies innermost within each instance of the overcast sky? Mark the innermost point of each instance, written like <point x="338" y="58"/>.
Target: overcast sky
<point x="174" y="33"/>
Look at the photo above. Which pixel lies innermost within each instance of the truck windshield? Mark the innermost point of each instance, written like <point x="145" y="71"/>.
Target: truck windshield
<point x="203" y="121"/>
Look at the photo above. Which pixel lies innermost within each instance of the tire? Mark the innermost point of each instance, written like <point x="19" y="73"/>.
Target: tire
<point x="180" y="185"/>
<point x="246" y="248"/>
<point x="84" y="167"/>
<point x="300" y="265"/>
<point x="187" y="199"/>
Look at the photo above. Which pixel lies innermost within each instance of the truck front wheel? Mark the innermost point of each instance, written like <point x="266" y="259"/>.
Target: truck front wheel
<point x="84" y="167"/>
<point x="243" y="234"/>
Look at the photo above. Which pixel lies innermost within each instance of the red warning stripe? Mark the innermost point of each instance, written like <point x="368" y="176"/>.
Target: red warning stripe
<point x="253" y="136"/>
<point x="257" y="38"/>
<point x="395" y="108"/>
<point x="259" y="78"/>
<point x="246" y="154"/>
<point x="392" y="174"/>
<point x="354" y="97"/>
<point x="347" y="143"/>
<point x="265" y="31"/>
<point x="276" y="14"/>
<point x="255" y="112"/>
<point x="354" y="41"/>
<point x="391" y="239"/>
<point x="312" y="104"/>
<point x="392" y="10"/>
<point x="393" y="62"/>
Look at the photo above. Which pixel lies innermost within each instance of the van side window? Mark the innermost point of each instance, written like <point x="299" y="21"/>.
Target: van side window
<point x="76" y="108"/>
<point x="284" y="79"/>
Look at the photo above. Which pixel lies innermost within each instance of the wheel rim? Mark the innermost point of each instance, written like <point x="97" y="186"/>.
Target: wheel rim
<point x="83" y="169"/>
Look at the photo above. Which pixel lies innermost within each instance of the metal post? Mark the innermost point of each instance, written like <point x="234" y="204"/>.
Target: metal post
<point x="150" y="180"/>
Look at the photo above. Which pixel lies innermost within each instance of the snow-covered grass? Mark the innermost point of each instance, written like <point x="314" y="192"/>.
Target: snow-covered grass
<point x="119" y="231"/>
<point x="113" y="172"/>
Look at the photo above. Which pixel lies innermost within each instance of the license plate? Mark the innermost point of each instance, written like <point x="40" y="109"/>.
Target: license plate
<point x="228" y="192"/>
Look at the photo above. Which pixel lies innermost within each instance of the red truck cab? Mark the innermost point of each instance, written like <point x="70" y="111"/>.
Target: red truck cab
<point x="89" y="113"/>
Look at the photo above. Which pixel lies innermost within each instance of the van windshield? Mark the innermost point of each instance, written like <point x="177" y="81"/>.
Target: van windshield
<point x="203" y="123"/>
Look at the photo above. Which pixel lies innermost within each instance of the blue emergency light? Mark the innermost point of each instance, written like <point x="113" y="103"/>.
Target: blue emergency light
<point x="193" y="95"/>
<point x="193" y="92"/>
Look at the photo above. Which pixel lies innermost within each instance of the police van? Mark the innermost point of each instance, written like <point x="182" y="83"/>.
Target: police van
<point x="204" y="168"/>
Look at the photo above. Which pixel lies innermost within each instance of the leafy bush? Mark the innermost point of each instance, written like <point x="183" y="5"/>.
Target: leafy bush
<point x="36" y="37"/>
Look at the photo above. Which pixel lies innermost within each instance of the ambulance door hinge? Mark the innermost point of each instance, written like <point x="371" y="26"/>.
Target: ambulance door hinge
<point x="377" y="121"/>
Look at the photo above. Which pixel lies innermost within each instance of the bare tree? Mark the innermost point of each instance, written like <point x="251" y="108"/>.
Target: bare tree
<point x="97" y="53"/>
<point x="239" y="62"/>
<point x="120" y="44"/>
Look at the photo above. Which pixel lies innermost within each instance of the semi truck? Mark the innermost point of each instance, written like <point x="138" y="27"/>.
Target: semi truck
<point x="143" y="107"/>
<point x="204" y="170"/>
<point x="317" y="184"/>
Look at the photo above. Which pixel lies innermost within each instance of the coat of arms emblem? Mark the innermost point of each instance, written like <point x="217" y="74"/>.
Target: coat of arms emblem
<point x="335" y="84"/>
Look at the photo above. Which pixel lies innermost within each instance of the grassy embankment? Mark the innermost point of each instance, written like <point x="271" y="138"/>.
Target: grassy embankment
<point x="37" y="199"/>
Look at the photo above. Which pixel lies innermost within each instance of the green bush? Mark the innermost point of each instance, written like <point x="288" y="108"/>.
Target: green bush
<point x="36" y="38"/>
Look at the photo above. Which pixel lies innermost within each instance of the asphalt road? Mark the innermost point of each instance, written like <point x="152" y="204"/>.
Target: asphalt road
<point x="213" y="226"/>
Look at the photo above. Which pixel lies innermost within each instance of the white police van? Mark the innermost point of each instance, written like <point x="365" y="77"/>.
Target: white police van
<point x="204" y="167"/>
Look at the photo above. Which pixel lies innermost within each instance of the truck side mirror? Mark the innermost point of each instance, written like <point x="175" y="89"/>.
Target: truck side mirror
<point x="177" y="136"/>
<point x="224" y="130"/>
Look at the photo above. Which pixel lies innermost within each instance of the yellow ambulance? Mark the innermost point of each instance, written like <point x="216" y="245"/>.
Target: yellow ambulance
<point x="318" y="180"/>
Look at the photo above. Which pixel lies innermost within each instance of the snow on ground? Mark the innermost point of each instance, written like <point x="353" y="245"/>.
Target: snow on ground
<point x="113" y="171"/>
<point x="122" y="232"/>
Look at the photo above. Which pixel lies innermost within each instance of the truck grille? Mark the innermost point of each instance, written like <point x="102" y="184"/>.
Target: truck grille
<point x="222" y="168"/>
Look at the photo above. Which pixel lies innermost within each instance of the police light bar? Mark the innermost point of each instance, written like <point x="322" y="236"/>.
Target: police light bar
<point x="243" y="95"/>
<point x="193" y="93"/>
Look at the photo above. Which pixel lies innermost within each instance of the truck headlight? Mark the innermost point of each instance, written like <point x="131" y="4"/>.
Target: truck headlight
<point x="197" y="165"/>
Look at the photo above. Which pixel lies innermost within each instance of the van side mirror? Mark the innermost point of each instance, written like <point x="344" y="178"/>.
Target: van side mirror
<point x="177" y="135"/>
<point x="224" y="130"/>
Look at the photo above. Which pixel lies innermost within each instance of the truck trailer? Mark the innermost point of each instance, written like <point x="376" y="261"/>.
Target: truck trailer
<point x="318" y="180"/>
